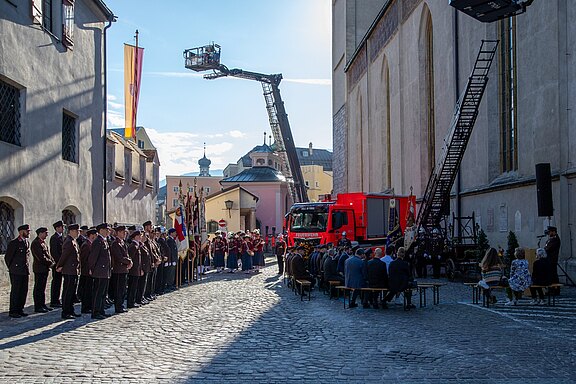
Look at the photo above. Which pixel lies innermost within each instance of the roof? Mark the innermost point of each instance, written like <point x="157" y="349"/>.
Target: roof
<point x="204" y="162"/>
<point x="231" y="188"/>
<point x="105" y="10"/>
<point x="256" y="175"/>
<point x="321" y="157"/>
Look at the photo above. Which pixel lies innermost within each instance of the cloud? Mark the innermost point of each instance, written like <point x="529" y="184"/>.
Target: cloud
<point x="114" y="105"/>
<point x="115" y="119"/>
<point x="179" y="151"/>
<point x="236" y="134"/>
<point x="310" y="81"/>
<point x="110" y="97"/>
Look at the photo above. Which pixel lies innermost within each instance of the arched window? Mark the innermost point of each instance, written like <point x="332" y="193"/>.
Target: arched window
<point x="6" y="225"/>
<point x="428" y="142"/>
<point x="260" y="162"/>
<point x="68" y="217"/>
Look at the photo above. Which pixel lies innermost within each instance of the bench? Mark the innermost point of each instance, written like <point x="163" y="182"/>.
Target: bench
<point x="476" y="290"/>
<point x="332" y="284"/>
<point x="300" y="285"/>
<point x="551" y="297"/>
<point x="347" y="292"/>
<point x="423" y="287"/>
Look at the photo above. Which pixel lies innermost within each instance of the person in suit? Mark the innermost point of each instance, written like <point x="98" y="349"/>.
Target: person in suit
<point x="146" y="265"/>
<point x="160" y="240"/>
<point x="170" y="265"/>
<point x="16" y="259"/>
<point x="299" y="267"/>
<point x="355" y="275"/>
<point x="83" y="236"/>
<point x="99" y="265"/>
<point x="56" y="242"/>
<point x="42" y="262"/>
<point x="121" y="263"/>
<point x="68" y="265"/>
<point x="541" y="275"/>
<point x="280" y="251"/>
<point x="552" y="249"/>
<point x="399" y="278"/>
<point x="377" y="276"/>
<point x="135" y="273"/>
<point x="86" y="283"/>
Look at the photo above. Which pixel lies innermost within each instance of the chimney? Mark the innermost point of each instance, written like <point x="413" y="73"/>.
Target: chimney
<point x="310" y="149"/>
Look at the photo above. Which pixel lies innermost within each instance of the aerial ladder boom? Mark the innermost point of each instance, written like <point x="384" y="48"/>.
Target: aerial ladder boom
<point x="197" y="60"/>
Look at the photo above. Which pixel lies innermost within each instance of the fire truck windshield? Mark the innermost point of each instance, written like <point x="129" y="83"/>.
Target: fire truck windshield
<point x="309" y="219"/>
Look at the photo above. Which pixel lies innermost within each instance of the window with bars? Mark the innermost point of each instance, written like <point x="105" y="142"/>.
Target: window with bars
<point x="69" y="138"/>
<point x="9" y="114"/>
<point x="6" y="225"/>
<point x="68" y="23"/>
<point x="507" y="95"/>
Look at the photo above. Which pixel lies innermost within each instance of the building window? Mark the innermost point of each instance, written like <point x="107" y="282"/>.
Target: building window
<point x="212" y="226"/>
<point x="207" y="189"/>
<point x="109" y="162"/>
<point x="305" y="153"/>
<point x="260" y="162"/>
<point x="6" y="225"/>
<point x="176" y="189"/>
<point x="307" y="183"/>
<point x="142" y="172"/>
<point x="317" y="184"/>
<point x="507" y="87"/>
<point x="429" y="63"/>
<point x="140" y="144"/>
<point x="68" y="217"/>
<point x="48" y="15"/>
<point x="68" y="23"/>
<point x="9" y="114"/>
<point x="175" y="203"/>
<point x="69" y="137"/>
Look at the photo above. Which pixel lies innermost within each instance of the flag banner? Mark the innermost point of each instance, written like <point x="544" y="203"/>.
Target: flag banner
<point x="394" y="229"/>
<point x="181" y="231"/>
<point x="410" y="232"/>
<point x="133" y="57"/>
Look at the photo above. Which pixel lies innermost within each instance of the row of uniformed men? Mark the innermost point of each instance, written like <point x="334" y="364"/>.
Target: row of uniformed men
<point x="227" y="249"/>
<point x="116" y="261"/>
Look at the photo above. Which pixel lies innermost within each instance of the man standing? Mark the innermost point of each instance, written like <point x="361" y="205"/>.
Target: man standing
<point x="552" y="248"/>
<point x="280" y="253"/>
<point x="355" y="275"/>
<point x="41" y="266"/>
<point x="86" y="284"/>
<point x="83" y="236"/>
<point x="121" y="263"/>
<point x="68" y="266"/>
<point x="17" y="261"/>
<point x="163" y="248"/>
<point x="99" y="265"/>
<point x="56" y="242"/>
<point x="170" y="267"/>
<point x="135" y="273"/>
<point x="344" y="241"/>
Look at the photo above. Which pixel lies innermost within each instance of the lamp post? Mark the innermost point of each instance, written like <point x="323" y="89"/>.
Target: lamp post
<point x="229" y="204"/>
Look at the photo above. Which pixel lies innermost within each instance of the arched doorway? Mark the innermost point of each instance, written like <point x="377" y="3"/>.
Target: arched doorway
<point x="7" y="225"/>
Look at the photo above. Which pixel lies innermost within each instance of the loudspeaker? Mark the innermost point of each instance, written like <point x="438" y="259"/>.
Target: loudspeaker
<point x="544" y="190"/>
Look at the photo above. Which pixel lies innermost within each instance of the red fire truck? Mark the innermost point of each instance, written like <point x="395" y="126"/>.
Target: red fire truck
<point x="365" y="217"/>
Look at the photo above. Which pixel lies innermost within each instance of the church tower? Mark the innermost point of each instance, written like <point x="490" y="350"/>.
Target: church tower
<point x="204" y="164"/>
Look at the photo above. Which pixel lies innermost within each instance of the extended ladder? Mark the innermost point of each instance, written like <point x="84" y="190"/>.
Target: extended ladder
<point x="437" y="195"/>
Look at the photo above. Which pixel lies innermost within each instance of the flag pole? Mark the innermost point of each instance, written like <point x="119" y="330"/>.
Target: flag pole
<point x="135" y="88"/>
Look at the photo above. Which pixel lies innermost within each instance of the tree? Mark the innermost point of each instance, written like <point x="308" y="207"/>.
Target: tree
<point x="512" y="245"/>
<point x="483" y="243"/>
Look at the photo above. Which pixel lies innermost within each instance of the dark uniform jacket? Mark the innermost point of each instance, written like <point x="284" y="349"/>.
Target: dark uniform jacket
<point x="299" y="268"/>
<point x="331" y="269"/>
<point x="99" y="260"/>
<point x="56" y="242"/>
<point x="156" y="252"/>
<point x="17" y="256"/>
<point x="41" y="254"/>
<point x="135" y="255"/>
<point x="399" y="275"/>
<point x="70" y="259"/>
<point x="85" y="249"/>
<point x="552" y="248"/>
<point x="145" y="258"/>
<point x="542" y="272"/>
<point x="172" y="250"/>
<point x="120" y="258"/>
<point x="377" y="274"/>
<point x="219" y="246"/>
<point x="164" y="251"/>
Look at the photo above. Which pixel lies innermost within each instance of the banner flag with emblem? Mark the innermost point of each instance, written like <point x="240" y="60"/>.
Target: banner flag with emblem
<point x="133" y="56"/>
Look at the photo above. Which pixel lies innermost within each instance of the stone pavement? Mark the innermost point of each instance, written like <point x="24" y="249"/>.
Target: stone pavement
<point x="241" y="328"/>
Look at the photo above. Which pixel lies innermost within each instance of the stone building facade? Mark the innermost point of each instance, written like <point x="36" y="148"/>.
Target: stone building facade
<point x="52" y="126"/>
<point x="398" y="70"/>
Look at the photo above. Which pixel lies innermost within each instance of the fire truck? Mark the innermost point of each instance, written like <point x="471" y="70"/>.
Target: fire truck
<point x="368" y="218"/>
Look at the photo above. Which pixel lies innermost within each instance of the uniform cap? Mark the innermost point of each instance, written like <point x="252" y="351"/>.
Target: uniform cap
<point x="41" y="230"/>
<point x="120" y="228"/>
<point x="72" y="227"/>
<point x="171" y="230"/>
<point x="132" y="228"/>
<point x="57" y="224"/>
<point x="147" y="223"/>
<point x="553" y="229"/>
<point x="344" y="233"/>
<point x="102" y="226"/>
<point x="84" y="227"/>
<point x="91" y="231"/>
<point x="135" y="233"/>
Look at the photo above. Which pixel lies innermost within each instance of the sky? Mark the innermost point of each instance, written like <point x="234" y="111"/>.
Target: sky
<point x="181" y="111"/>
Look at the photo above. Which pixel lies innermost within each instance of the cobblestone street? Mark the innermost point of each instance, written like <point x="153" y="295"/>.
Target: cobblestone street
<point x="251" y="328"/>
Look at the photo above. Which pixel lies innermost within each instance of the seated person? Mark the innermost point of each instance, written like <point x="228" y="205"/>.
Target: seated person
<point x="541" y="275"/>
<point x="377" y="277"/>
<point x="399" y="278"/>
<point x="520" y="278"/>
<point x="331" y="266"/>
<point x="299" y="267"/>
<point x="355" y="275"/>
<point x="389" y="256"/>
<point x="491" y="270"/>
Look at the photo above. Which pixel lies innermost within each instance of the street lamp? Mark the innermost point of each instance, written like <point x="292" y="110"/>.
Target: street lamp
<point x="229" y="204"/>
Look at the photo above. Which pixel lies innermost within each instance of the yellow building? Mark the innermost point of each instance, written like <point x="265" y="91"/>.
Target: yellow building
<point x="234" y="207"/>
<point x="318" y="181"/>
